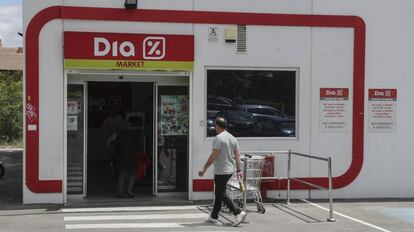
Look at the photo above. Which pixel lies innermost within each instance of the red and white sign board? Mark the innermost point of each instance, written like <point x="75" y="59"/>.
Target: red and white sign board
<point x="72" y="107"/>
<point x="382" y="110"/>
<point x="334" y="109"/>
<point x="85" y="50"/>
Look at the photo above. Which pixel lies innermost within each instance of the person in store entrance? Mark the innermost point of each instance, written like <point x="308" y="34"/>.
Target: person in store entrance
<point x="112" y="126"/>
<point x="225" y="156"/>
<point x="114" y="122"/>
<point x="126" y="147"/>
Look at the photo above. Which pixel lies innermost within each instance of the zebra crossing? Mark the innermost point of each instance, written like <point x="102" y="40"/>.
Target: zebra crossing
<point x="152" y="218"/>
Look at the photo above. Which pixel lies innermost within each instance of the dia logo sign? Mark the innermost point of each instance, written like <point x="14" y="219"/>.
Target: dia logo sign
<point x="154" y="48"/>
<point x="103" y="47"/>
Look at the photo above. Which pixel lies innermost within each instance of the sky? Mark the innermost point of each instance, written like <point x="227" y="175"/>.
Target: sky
<point x="11" y="22"/>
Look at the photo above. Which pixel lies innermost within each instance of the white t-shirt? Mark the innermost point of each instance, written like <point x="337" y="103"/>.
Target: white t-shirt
<point x="225" y="163"/>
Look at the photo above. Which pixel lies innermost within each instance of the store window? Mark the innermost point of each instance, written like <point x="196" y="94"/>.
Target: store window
<point x="256" y="103"/>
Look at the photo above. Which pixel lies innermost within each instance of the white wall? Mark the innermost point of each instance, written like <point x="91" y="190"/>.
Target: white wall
<point x="268" y="48"/>
<point x="51" y="103"/>
<point x="387" y="169"/>
<point x="323" y="58"/>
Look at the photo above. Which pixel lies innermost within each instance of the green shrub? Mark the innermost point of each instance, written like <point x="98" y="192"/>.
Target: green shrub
<point x="11" y="100"/>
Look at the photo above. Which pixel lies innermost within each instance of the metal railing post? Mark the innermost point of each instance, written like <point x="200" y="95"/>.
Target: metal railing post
<point x="245" y="183"/>
<point x="288" y="178"/>
<point x="330" y="219"/>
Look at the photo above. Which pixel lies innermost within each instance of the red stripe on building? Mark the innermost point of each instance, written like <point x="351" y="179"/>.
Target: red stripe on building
<point x="202" y="17"/>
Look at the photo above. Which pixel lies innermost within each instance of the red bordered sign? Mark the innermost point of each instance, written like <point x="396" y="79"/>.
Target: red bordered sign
<point x="334" y="93"/>
<point x="382" y="94"/>
<point x="84" y="50"/>
<point x="382" y="110"/>
<point x="334" y="109"/>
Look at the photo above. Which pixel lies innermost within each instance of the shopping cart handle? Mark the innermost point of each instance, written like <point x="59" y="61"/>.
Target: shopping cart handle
<point x="248" y="156"/>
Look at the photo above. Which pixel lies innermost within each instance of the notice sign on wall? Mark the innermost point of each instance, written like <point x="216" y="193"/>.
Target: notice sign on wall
<point x="382" y="109"/>
<point x="333" y="116"/>
<point x="213" y="34"/>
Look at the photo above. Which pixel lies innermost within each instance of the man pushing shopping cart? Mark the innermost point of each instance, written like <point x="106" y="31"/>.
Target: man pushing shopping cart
<point x="226" y="159"/>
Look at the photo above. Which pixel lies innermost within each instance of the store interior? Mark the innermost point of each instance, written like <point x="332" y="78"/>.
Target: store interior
<point x="112" y="105"/>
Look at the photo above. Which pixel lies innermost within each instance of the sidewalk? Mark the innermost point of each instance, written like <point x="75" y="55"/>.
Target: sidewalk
<point x="298" y="216"/>
<point x="363" y="215"/>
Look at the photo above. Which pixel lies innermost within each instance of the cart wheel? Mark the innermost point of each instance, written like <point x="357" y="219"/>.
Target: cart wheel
<point x="2" y="170"/>
<point x="235" y="202"/>
<point x="261" y="209"/>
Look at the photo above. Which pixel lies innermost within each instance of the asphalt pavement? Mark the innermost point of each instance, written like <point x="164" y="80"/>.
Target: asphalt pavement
<point x="11" y="182"/>
<point x="396" y="215"/>
<point x="298" y="216"/>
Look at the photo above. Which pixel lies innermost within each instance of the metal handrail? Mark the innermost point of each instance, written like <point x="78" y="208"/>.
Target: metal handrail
<point x="310" y="184"/>
<point x="309" y="156"/>
<point x="289" y="153"/>
<point x="284" y="152"/>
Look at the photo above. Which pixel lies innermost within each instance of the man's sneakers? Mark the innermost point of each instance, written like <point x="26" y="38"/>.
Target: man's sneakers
<point x="239" y="218"/>
<point x="213" y="221"/>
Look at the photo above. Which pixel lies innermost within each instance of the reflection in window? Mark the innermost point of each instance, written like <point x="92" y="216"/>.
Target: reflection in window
<point x="255" y="103"/>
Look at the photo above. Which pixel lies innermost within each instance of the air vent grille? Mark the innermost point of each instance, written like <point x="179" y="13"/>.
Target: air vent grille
<point x="241" y="38"/>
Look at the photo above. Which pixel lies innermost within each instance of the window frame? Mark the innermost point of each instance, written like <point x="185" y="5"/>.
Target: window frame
<point x="254" y="68"/>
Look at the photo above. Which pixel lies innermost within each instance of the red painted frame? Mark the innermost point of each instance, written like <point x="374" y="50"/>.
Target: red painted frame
<point x="198" y="17"/>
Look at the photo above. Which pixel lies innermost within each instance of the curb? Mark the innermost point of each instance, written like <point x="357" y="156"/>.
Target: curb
<point x="10" y="150"/>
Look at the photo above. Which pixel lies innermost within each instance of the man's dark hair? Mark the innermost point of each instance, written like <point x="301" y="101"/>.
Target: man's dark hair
<point x="221" y="122"/>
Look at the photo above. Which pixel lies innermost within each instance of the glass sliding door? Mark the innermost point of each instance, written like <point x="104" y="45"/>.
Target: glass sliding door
<point x="172" y="127"/>
<point x="76" y="139"/>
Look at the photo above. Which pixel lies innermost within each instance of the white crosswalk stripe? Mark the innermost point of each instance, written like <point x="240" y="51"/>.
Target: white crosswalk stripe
<point x="137" y="217"/>
<point x="129" y="225"/>
<point x="123" y="209"/>
<point x="152" y="218"/>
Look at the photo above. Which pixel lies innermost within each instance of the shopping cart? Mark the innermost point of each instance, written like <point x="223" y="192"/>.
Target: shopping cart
<point x="252" y="174"/>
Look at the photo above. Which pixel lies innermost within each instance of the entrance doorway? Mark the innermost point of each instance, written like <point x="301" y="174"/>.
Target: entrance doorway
<point x="112" y="108"/>
<point x="158" y="117"/>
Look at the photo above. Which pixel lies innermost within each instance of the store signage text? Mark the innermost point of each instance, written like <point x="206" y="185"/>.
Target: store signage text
<point x="334" y="93"/>
<point x="382" y="110"/>
<point x="102" y="47"/>
<point x="334" y="108"/>
<point x="384" y="94"/>
<point x="85" y="50"/>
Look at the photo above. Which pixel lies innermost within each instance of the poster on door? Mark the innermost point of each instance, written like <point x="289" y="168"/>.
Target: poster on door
<point x="72" y="123"/>
<point x="73" y="107"/>
<point x="174" y="115"/>
<point x="382" y="110"/>
<point x="334" y="109"/>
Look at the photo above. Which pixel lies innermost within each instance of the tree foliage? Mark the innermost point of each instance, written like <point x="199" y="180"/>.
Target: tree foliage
<point x="11" y="110"/>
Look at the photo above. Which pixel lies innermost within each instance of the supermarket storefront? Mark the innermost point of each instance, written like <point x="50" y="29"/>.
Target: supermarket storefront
<point x="118" y="84"/>
<point x="167" y="71"/>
